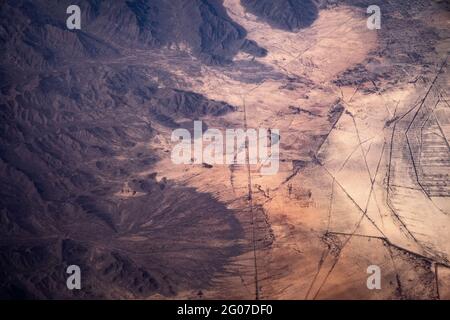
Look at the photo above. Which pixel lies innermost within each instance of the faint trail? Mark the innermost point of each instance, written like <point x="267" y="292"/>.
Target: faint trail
<point x="364" y="214"/>
<point x="250" y="200"/>
<point x="327" y="250"/>
<point x="437" y="280"/>
<point x="361" y="147"/>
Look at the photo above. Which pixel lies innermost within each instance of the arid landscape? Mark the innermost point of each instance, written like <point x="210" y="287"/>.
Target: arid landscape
<point x="87" y="179"/>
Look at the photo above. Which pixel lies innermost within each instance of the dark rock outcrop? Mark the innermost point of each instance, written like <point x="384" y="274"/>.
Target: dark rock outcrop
<point x="285" y="14"/>
<point x="36" y="30"/>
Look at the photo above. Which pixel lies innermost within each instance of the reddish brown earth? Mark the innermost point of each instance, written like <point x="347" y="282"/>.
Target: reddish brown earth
<point x="87" y="179"/>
